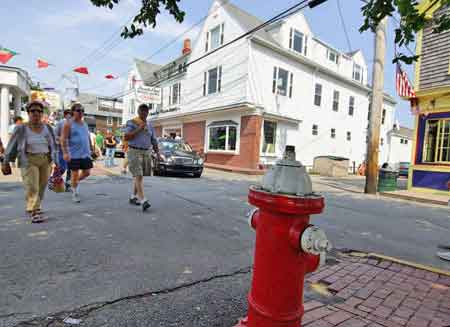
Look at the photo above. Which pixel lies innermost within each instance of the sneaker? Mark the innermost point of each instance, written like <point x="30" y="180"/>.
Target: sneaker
<point x="444" y="255"/>
<point x="76" y="197"/>
<point x="135" y="201"/>
<point x="146" y="205"/>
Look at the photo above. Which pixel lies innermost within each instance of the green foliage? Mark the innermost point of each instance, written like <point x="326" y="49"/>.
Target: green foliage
<point x="147" y="15"/>
<point x="410" y="22"/>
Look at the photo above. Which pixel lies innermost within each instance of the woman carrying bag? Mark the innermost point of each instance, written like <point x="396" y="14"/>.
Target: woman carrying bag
<point x="34" y="145"/>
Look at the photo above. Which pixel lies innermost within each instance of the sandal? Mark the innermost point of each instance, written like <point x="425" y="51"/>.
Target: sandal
<point x="36" y="217"/>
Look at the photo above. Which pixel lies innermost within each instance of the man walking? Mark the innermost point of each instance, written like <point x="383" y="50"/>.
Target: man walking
<point x="140" y="136"/>
<point x="77" y="148"/>
<point x="62" y="164"/>
<point x="99" y="139"/>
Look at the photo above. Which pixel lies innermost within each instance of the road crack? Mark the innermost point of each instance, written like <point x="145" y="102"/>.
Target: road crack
<point x="84" y="311"/>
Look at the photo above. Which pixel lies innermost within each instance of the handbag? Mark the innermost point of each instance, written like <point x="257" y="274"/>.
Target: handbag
<point x="6" y="169"/>
<point x="56" y="182"/>
<point x="147" y="165"/>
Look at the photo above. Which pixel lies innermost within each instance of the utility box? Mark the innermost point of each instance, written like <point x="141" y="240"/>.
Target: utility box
<point x="331" y="166"/>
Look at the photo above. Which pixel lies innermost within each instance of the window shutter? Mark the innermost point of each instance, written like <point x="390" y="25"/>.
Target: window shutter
<point x="205" y="76"/>
<point x="207" y="42"/>
<point x="274" y="83"/>
<point x="222" y="36"/>
<point x="290" y="39"/>
<point x="219" y="79"/>
<point x="170" y="95"/>
<point x="290" y="86"/>
<point x="306" y="45"/>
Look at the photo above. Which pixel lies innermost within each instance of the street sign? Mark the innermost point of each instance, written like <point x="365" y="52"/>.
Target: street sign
<point x="148" y="94"/>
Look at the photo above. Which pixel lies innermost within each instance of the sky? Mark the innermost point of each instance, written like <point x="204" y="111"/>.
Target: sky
<point x="75" y="33"/>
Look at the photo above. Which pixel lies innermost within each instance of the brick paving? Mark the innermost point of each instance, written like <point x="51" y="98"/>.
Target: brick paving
<point x="378" y="293"/>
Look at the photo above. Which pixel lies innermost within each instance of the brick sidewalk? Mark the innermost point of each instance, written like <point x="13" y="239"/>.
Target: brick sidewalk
<point x="377" y="293"/>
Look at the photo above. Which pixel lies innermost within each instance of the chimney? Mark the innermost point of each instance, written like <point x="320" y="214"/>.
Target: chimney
<point x="186" y="46"/>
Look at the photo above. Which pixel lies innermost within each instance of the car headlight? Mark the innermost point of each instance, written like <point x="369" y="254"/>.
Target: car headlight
<point x="199" y="161"/>
<point x="169" y="160"/>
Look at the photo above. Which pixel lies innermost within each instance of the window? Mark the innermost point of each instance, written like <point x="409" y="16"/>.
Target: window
<point x="381" y="141"/>
<point x="315" y="130"/>
<point x="335" y="100"/>
<point x="214" y="38"/>
<point x="318" y="94"/>
<point x="109" y="121"/>
<point x="349" y="136"/>
<point x="333" y="133"/>
<point x="119" y="121"/>
<point x="437" y="141"/>
<point x="357" y="73"/>
<point x="270" y="135"/>
<point x="297" y="41"/>
<point x="333" y="56"/>
<point x="281" y="81"/>
<point x="383" y="116"/>
<point x="405" y="141"/>
<point x="212" y="81"/>
<point x="175" y="94"/>
<point x="351" y="106"/>
<point x="222" y="136"/>
<point x="401" y="141"/>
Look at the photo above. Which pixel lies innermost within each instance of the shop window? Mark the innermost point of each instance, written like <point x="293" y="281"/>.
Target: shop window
<point x="269" y="137"/>
<point x="437" y="141"/>
<point x="222" y="136"/>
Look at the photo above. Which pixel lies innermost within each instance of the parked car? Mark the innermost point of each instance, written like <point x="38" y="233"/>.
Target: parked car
<point x="176" y="156"/>
<point x="403" y="168"/>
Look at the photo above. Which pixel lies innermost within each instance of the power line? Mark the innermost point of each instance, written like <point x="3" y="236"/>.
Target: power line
<point x="344" y="26"/>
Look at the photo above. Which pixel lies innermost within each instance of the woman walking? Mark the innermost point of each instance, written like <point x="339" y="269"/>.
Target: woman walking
<point x="34" y="146"/>
<point x="77" y="148"/>
<point x="110" y="145"/>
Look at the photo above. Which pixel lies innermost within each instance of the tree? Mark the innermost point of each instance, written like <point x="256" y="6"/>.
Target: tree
<point x="412" y="19"/>
<point x="147" y="15"/>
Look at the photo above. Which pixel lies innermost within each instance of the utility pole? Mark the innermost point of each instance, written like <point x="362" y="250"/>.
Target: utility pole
<point x="376" y="108"/>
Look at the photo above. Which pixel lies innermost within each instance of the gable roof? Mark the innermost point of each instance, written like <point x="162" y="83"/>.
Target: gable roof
<point x="146" y="70"/>
<point x="403" y="132"/>
<point x="249" y="22"/>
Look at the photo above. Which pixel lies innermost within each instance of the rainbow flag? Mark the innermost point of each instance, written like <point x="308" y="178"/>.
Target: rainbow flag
<point x="6" y="55"/>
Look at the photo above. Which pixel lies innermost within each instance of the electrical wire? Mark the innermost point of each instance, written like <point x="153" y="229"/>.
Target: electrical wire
<point x="344" y="26"/>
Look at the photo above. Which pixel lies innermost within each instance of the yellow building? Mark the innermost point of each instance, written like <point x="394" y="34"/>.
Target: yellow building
<point x="430" y="163"/>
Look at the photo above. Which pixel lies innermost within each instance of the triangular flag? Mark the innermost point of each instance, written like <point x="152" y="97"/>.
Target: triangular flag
<point x="109" y="76"/>
<point x="81" y="70"/>
<point x="6" y="55"/>
<point x="42" y="63"/>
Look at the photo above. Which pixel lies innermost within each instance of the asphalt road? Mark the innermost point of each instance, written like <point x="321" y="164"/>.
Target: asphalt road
<point x="106" y="250"/>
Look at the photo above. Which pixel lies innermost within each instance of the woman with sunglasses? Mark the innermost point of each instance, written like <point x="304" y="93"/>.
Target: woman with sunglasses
<point x="77" y="148"/>
<point x="34" y="145"/>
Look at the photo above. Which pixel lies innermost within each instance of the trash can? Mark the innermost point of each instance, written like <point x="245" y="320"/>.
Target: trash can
<point x="387" y="180"/>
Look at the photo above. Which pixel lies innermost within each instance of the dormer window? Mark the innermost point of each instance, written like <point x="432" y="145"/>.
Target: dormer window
<point x="215" y="38"/>
<point x="357" y="73"/>
<point x="333" y="56"/>
<point x="298" y="41"/>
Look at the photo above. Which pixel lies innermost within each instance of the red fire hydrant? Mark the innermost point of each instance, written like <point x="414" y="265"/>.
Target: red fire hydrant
<point x="287" y="246"/>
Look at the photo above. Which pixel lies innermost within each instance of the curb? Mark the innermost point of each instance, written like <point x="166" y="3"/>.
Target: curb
<point x="373" y="255"/>
<point x="391" y="195"/>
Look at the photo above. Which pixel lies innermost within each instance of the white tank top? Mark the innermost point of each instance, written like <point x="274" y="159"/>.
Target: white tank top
<point x="37" y="142"/>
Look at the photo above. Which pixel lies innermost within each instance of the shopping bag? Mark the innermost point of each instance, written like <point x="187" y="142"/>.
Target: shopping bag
<point x="56" y="182"/>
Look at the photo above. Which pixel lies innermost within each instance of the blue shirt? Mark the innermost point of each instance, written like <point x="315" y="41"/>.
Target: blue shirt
<point x="144" y="139"/>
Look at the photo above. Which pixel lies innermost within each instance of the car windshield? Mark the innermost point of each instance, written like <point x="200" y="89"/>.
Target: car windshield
<point x="173" y="146"/>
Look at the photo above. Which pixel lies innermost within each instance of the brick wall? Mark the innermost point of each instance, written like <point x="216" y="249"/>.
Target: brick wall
<point x="250" y="141"/>
<point x="100" y="124"/>
<point x="194" y="134"/>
